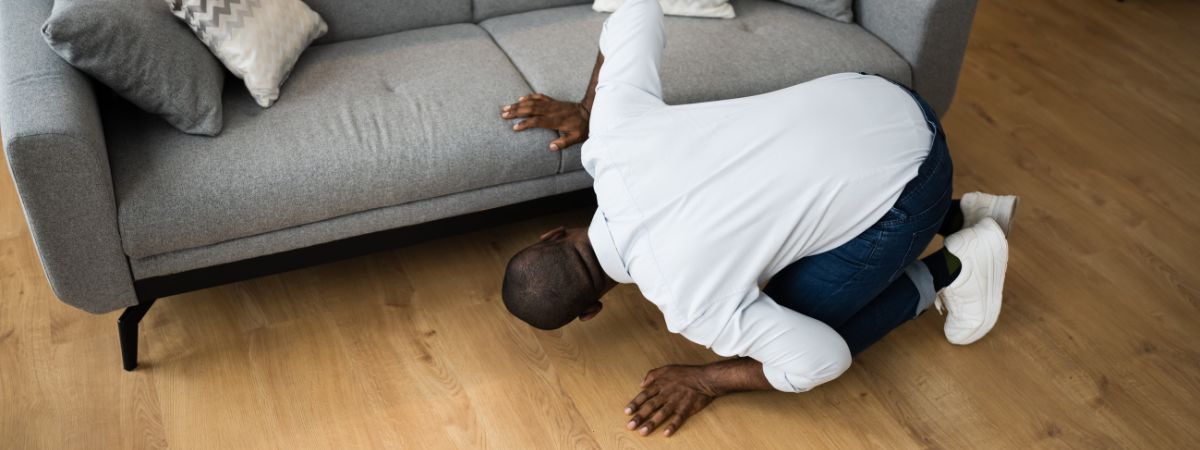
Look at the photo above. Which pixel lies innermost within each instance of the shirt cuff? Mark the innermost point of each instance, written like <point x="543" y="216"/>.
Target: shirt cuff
<point x="778" y="379"/>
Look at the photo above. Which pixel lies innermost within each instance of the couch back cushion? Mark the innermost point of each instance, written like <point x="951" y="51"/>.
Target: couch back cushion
<point x="485" y="9"/>
<point x="356" y="19"/>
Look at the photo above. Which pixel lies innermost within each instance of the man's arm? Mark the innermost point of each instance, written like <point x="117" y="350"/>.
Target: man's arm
<point x="589" y="97"/>
<point x="569" y="119"/>
<point x="671" y="394"/>
<point x="628" y="85"/>
<point x="782" y="350"/>
<point x="632" y="43"/>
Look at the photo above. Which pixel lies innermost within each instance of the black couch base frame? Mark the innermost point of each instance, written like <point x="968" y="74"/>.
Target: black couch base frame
<point x="151" y="289"/>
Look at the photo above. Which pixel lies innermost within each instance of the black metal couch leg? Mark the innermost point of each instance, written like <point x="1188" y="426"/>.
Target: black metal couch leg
<point x="127" y="329"/>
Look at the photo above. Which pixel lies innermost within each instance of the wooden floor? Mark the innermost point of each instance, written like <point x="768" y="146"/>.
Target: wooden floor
<point x="1089" y="109"/>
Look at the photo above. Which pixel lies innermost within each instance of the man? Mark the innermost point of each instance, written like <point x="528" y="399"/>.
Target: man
<point x="783" y="228"/>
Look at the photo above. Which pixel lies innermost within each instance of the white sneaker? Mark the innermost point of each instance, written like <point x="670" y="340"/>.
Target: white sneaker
<point x="973" y="298"/>
<point x="1001" y="208"/>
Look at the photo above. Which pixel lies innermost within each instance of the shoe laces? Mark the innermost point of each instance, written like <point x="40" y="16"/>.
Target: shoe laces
<point x="937" y="304"/>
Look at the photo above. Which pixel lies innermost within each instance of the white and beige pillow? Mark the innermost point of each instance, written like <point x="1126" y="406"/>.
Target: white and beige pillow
<point x="257" y="40"/>
<point x="693" y="8"/>
<point x="839" y="10"/>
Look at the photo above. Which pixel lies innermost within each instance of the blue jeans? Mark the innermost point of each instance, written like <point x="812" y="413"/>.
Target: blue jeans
<point x="869" y="286"/>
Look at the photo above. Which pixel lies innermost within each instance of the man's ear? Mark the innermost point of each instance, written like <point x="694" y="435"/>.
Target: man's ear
<point x="591" y="311"/>
<point x="554" y="234"/>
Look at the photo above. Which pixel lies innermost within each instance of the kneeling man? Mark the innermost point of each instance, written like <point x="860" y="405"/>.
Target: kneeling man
<point x="784" y="228"/>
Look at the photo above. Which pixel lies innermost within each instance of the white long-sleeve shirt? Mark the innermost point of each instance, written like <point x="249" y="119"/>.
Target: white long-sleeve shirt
<point x="701" y="204"/>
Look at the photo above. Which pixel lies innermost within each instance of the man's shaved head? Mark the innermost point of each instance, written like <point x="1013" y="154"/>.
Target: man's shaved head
<point x="549" y="284"/>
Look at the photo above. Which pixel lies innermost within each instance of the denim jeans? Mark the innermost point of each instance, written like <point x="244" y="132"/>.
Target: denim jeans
<point x="869" y="286"/>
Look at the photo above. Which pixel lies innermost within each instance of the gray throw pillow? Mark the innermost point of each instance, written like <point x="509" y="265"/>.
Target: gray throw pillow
<point x="839" y="10"/>
<point x="141" y="52"/>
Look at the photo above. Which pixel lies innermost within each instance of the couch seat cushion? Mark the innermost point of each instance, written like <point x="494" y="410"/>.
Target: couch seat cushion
<point x="360" y="125"/>
<point x="768" y="46"/>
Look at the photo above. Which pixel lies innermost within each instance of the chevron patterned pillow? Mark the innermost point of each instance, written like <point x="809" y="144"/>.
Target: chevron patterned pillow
<point x="720" y="9"/>
<point x="257" y="40"/>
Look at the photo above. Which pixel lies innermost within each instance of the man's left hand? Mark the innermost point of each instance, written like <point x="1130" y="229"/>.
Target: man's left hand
<point x="670" y="395"/>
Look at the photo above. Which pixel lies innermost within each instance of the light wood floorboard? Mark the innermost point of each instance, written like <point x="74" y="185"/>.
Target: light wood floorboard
<point x="1088" y="109"/>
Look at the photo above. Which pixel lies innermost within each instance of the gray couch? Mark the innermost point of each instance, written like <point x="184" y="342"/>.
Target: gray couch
<point x="388" y="121"/>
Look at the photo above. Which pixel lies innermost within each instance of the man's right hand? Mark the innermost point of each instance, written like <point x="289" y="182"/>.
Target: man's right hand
<point x="569" y="119"/>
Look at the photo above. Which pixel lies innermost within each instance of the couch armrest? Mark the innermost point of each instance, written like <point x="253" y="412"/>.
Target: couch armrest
<point x="930" y="34"/>
<point x="56" y="152"/>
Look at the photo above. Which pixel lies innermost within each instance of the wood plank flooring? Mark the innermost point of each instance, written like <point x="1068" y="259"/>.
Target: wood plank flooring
<point x="1090" y="110"/>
